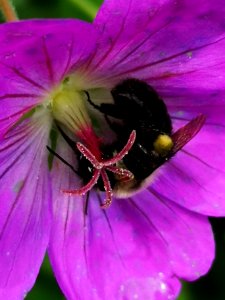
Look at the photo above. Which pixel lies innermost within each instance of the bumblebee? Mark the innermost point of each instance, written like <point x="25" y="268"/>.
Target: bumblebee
<point x="138" y="107"/>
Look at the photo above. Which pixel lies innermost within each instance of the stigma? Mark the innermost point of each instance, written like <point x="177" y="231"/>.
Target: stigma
<point x="100" y="167"/>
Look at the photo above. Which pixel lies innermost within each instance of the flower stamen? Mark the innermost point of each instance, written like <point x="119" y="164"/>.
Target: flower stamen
<point x="100" y="168"/>
<point x="108" y="189"/>
<point x="86" y="187"/>
<point x="124" y="174"/>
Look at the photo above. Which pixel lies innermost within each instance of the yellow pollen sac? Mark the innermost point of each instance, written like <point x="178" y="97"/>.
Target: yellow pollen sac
<point x="68" y="108"/>
<point x="163" y="144"/>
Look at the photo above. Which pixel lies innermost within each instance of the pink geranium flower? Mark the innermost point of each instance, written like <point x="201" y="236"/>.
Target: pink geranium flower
<point x="140" y="246"/>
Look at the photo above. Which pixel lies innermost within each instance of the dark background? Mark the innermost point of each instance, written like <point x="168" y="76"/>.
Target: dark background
<point x="211" y="286"/>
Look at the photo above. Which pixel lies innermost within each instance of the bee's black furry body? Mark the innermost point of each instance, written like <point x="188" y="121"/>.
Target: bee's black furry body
<point x="139" y="108"/>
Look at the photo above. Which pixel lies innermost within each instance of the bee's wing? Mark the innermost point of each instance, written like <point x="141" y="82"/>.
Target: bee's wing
<point x="186" y="133"/>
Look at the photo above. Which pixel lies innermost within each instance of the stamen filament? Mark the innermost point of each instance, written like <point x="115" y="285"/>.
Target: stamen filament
<point x="83" y="190"/>
<point x="124" y="174"/>
<point x="119" y="156"/>
<point x="87" y="153"/>
<point x="184" y="134"/>
<point x="108" y="190"/>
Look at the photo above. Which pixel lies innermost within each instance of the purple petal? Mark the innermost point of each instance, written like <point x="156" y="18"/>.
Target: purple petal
<point x="106" y="254"/>
<point x="193" y="180"/>
<point x="178" y="47"/>
<point x="161" y="41"/>
<point x="184" y="105"/>
<point x="207" y="146"/>
<point x="14" y="33"/>
<point x="186" y="234"/>
<point x="25" y="214"/>
<point x="32" y="67"/>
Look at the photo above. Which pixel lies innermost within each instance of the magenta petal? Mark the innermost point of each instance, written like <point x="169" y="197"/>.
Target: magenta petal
<point x="207" y="146"/>
<point x="186" y="234"/>
<point x="195" y="177"/>
<point x="106" y="254"/>
<point x="32" y="68"/>
<point x="130" y="17"/>
<point x="14" y="33"/>
<point x="162" y="40"/>
<point x="25" y="214"/>
<point x="192" y="182"/>
<point x="184" y="104"/>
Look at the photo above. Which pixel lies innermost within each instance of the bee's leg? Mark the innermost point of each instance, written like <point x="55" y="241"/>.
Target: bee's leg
<point x="62" y="159"/>
<point x="69" y="141"/>
<point x="91" y="102"/>
<point x="109" y="109"/>
<point x="86" y="203"/>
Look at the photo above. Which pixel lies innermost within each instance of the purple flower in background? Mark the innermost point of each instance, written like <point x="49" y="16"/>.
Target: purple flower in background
<point x="140" y="246"/>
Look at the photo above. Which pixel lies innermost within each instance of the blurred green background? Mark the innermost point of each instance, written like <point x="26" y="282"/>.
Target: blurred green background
<point x="210" y="287"/>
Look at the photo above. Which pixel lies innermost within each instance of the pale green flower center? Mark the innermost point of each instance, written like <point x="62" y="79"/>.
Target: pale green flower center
<point x="68" y="106"/>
